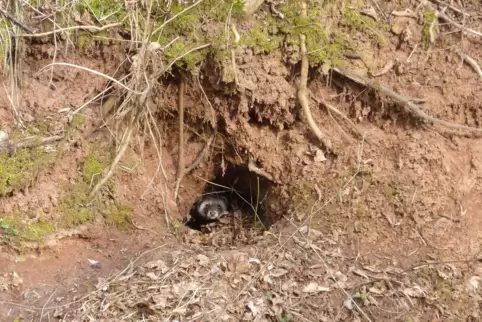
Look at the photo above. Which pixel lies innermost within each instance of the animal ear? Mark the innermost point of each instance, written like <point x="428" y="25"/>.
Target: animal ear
<point x="223" y="198"/>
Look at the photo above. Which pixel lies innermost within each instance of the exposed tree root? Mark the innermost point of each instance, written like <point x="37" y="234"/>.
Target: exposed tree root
<point x="475" y="66"/>
<point x="253" y="168"/>
<point x="303" y="92"/>
<point x="336" y="111"/>
<point x="180" y="172"/>
<point x="406" y="102"/>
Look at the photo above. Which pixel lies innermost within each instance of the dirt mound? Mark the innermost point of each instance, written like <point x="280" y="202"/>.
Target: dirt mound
<point x="367" y="208"/>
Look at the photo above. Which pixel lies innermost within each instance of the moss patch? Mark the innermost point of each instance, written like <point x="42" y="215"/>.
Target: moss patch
<point x="354" y="20"/>
<point x="5" y="44"/>
<point x="118" y="216"/>
<point x="430" y="18"/>
<point x="104" y="9"/>
<point x="37" y="231"/>
<point x="18" y="169"/>
<point x="76" y="207"/>
<point x="92" y="169"/>
<point x="14" y="231"/>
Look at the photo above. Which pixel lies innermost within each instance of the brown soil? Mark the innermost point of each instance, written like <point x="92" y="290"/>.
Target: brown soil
<point x="381" y="207"/>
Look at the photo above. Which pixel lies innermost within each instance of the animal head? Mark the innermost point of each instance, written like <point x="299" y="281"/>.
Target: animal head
<point x="212" y="208"/>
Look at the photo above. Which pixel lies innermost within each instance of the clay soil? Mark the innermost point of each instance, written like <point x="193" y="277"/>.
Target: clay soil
<point x="386" y="227"/>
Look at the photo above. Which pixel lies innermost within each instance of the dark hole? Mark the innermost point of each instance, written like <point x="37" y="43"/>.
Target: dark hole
<point x="245" y="193"/>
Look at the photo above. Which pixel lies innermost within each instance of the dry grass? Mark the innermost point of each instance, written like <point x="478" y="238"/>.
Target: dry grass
<point x="296" y="275"/>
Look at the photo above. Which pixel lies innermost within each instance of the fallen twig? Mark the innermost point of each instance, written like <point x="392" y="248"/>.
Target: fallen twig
<point x="17" y="22"/>
<point x="303" y="91"/>
<point x="443" y="4"/>
<point x="443" y="16"/>
<point x="8" y="146"/>
<point x="406" y="102"/>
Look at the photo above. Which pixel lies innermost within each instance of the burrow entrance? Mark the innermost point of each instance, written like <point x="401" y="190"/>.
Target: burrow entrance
<point x="247" y="196"/>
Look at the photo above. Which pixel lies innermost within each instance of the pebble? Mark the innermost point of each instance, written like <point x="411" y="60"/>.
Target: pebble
<point x="3" y="136"/>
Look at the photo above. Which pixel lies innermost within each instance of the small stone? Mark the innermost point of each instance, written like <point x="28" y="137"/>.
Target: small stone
<point x="3" y="136"/>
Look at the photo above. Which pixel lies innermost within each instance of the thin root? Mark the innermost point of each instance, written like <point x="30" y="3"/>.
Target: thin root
<point x="406" y="102"/>
<point x="303" y="92"/>
<point x="195" y="164"/>
<point x="339" y="113"/>
<point x="180" y="172"/>
<point x="472" y="64"/>
<point x="253" y="168"/>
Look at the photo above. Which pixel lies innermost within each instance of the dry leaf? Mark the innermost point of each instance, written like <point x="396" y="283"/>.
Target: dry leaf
<point x="473" y="285"/>
<point x="278" y="272"/>
<point x="404" y="13"/>
<point x="253" y="308"/>
<point x="370" y="12"/>
<point x="313" y="287"/>
<point x="239" y="263"/>
<point x="319" y="156"/>
<point x="415" y="291"/>
<point x="16" y="280"/>
<point x="152" y="276"/>
<point x="254" y="261"/>
<point x="160" y="300"/>
<point x="158" y="264"/>
<point x="203" y="259"/>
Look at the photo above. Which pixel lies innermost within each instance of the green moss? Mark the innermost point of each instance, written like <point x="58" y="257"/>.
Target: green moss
<point x="14" y="170"/>
<point x="77" y="122"/>
<point x="262" y="38"/>
<point x="189" y="61"/>
<point x="19" y="318"/>
<point x="37" y="231"/>
<point x="76" y="206"/>
<point x="220" y="10"/>
<point x="14" y="231"/>
<point x="430" y="18"/>
<point x="5" y="43"/>
<point x="84" y="40"/>
<point x="186" y="23"/>
<point x="92" y="168"/>
<point x="18" y="169"/>
<point x="104" y="9"/>
<point x="8" y="228"/>
<point x="118" y="216"/>
<point x="355" y="21"/>
<point x="389" y="192"/>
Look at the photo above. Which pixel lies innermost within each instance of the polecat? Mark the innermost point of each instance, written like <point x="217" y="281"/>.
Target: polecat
<point x="212" y="207"/>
